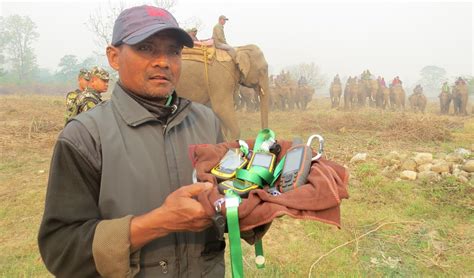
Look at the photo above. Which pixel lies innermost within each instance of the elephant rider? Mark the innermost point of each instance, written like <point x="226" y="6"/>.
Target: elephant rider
<point x="396" y="81"/>
<point x="193" y="33"/>
<point x="120" y="200"/>
<point x="460" y="81"/>
<point x="418" y="90"/>
<point x="445" y="88"/>
<point x="219" y="37"/>
<point x="337" y="80"/>
<point x="366" y="75"/>
<point x="302" y="81"/>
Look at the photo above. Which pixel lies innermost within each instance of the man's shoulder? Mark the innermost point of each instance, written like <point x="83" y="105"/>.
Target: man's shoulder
<point x="73" y="94"/>
<point x="218" y="26"/>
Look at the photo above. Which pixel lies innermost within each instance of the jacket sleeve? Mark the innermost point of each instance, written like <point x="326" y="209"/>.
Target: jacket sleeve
<point x="73" y="239"/>
<point x="71" y="214"/>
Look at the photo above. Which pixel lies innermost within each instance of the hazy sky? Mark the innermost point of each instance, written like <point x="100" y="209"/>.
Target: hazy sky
<point x="389" y="38"/>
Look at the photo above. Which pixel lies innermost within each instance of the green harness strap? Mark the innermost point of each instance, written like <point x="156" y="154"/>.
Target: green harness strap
<point x="257" y="175"/>
<point x="232" y="201"/>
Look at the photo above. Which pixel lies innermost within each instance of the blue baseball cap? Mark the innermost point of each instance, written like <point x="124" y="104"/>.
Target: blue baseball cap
<point x="136" y="24"/>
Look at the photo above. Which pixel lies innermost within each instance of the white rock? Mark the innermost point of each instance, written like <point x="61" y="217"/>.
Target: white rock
<point x="408" y="175"/>
<point x="441" y="167"/>
<point x="392" y="155"/>
<point x="463" y="152"/>
<point x="423" y="158"/>
<point x="425" y="167"/>
<point x="409" y="165"/>
<point x="41" y="172"/>
<point x="429" y="175"/>
<point x="458" y="173"/>
<point x="462" y="179"/>
<point x="469" y="166"/>
<point x="454" y="157"/>
<point x="359" y="157"/>
<point x="445" y="175"/>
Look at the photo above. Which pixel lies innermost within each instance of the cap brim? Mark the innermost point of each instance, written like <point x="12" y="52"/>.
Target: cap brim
<point x="143" y="34"/>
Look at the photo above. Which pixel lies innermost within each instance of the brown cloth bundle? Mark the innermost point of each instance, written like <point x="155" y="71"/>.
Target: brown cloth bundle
<point x="319" y="199"/>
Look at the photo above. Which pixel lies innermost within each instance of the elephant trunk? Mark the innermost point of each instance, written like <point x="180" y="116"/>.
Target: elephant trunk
<point x="264" y="92"/>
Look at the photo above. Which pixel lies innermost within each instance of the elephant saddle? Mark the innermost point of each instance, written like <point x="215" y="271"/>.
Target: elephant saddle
<point x="199" y="53"/>
<point x="319" y="199"/>
<point x="205" y="53"/>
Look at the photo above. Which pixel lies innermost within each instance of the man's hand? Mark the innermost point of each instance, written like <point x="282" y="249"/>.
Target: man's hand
<point x="185" y="213"/>
<point x="180" y="212"/>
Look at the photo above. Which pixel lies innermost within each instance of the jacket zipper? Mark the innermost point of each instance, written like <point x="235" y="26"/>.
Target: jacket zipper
<point x="173" y="117"/>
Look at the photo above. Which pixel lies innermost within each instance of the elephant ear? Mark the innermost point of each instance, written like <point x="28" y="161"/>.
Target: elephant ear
<point x="243" y="61"/>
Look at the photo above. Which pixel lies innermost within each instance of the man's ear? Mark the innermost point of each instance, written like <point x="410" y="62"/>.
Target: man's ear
<point x="113" y="56"/>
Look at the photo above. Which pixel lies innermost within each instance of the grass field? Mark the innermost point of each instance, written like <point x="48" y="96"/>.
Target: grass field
<point x="389" y="227"/>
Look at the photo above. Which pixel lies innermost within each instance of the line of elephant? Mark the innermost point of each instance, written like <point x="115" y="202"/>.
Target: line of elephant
<point x="281" y="98"/>
<point x="358" y="93"/>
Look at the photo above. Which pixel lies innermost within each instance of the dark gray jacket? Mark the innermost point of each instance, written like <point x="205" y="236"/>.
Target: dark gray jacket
<point x="111" y="163"/>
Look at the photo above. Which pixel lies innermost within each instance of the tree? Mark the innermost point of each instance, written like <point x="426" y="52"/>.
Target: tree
<point x="2" y="46"/>
<point x="68" y="67"/>
<point x="19" y="33"/>
<point x="310" y="71"/>
<point x="101" y="22"/>
<point x="432" y="78"/>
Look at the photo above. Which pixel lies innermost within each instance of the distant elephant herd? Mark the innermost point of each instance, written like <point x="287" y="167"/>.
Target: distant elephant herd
<point x="360" y="92"/>
<point x="285" y="94"/>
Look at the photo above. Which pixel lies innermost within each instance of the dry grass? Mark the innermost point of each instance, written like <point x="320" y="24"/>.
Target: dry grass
<point x="440" y="244"/>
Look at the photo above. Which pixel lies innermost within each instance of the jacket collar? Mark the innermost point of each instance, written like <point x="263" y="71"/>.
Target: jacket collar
<point x="133" y="113"/>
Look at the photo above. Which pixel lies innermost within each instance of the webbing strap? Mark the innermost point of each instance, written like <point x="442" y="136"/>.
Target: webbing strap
<point x="264" y="135"/>
<point x="232" y="202"/>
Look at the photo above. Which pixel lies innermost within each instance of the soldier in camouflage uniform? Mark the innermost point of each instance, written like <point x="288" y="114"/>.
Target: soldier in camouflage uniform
<point x="82" y="79"/>
<point x="98" y="84"/>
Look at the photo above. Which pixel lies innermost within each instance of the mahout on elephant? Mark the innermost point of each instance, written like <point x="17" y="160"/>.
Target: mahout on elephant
<point x="350" y="93"/>
<point x="417" y="100"/>
<point x="397" y="97"/>
<point x="460" y="98"/>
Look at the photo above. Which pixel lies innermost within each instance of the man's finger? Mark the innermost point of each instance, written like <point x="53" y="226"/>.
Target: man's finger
<point x="196" y="188"/>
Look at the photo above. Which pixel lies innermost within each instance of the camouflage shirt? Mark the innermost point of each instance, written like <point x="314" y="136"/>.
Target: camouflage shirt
<point x="71" y="100"/>
<point x="87" y="100"/>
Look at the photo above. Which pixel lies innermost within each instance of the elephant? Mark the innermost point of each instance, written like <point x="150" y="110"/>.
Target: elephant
<point x="417" y="102"/>
<point x="335" y="92"/>
<point x="304" y="94"/>
<point x="397" y="97"/>
<point x="350" y="94"/>
<point x="279" y="97"/>
<point x="367" y="89"/>
<point x="444" y="102"/>
<point x="382" y="98"/>
<point x="460" y="98"/>
<point x="249" y="99"/>
<point x="216" y="83"/>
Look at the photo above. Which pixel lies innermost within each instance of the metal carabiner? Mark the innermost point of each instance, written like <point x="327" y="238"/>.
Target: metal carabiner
<point x="321" y="145"/>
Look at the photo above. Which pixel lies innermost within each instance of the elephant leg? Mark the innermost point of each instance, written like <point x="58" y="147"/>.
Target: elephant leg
<point x="222" y="104"/>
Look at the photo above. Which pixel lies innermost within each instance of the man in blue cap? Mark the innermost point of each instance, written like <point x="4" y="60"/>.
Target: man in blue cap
<point x="120" y="199"/>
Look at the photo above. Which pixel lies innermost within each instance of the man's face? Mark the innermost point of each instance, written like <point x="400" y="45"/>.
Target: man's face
<point x="150" y="68"/>
<point x="222" y="21"/>
<point x="82" y="83"/>
<point x="98" y="84"/>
